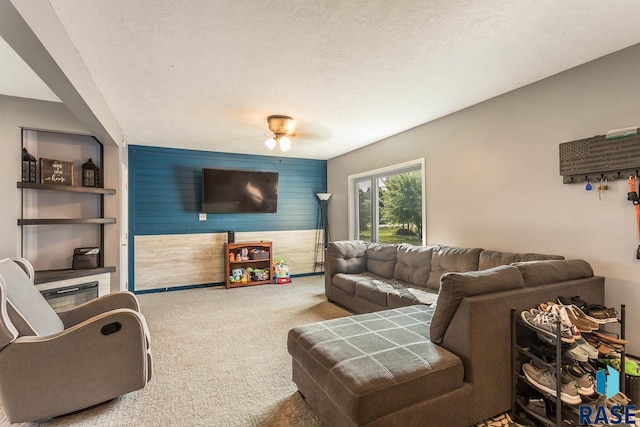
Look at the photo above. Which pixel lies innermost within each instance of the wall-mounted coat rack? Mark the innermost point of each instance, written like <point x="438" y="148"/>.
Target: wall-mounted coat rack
<point x="597" y="158"/>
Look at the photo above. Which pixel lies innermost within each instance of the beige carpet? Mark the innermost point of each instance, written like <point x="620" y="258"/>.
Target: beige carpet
<point x="220" y="359"/>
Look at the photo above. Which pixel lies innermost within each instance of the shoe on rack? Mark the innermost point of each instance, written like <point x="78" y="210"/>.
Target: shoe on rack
<point x="547" y="351"/>
<point x="588" y="368"/>
<point x="561" y="311"/>
<point x="596" y="312"/>
<point x="578" y="318"/>
<point x="604" y="349"/>
<point x="579" y="353"/>
<point x="598" y="404"/>
<point x="545" y="380"/>
<point x="618" y="399"/>
<point x="546" y="323"/>
<point x="610" y="338"/>
<point x="592" y="352"/>
<point x="584" y="381"/>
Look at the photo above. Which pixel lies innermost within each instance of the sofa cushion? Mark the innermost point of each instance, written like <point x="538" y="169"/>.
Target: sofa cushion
<point x="346" y="256"/>
<point x="404" y="296"/>
<point x="448" y="258"/>
<point x="347" y="282"/>
<point x="490" y="259"/>
<point x="374" y="291"/>
<point x="536" y="273"/>
<point x="381" y="259"/>
<point x="376" y="363"/>
<point x="414" y="264"/>
<point x="455" y="286"/>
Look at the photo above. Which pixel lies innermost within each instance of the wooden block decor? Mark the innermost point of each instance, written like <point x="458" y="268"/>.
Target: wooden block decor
<point x="56" y="172"/>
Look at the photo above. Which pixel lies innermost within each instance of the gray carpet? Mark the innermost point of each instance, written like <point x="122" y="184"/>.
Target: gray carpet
<point x="220" y="359"/>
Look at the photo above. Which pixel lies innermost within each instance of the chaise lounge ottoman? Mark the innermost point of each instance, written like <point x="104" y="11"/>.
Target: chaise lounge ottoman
<point x="379" y="369"/>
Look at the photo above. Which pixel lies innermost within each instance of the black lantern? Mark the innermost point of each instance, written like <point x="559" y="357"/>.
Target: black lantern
<point x="89" y="174"/>
<point x="28" y="166"/>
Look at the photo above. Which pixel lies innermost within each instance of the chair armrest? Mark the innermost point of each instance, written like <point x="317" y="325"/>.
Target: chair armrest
<point x="103" y="304"/>
<point x="81" y="362"/>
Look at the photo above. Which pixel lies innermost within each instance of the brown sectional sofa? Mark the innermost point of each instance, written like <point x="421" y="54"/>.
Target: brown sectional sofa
<point x="422" y="354"/>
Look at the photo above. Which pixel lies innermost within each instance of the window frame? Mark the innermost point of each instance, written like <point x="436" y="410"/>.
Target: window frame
<point x="373" y="175"/>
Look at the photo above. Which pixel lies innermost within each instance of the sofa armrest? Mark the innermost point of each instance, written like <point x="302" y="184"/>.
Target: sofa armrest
<point x="480" y="334"/>
<point x="103" y="304"/>
<point x="344" y="256"/>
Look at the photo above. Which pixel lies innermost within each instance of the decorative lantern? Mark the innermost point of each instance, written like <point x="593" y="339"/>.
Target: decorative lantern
<point x="28" y="166"/>
<point x="89" y="174"/>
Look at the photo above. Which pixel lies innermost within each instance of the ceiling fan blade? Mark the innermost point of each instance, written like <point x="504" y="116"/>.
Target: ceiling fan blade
<point x="310" y="131"/>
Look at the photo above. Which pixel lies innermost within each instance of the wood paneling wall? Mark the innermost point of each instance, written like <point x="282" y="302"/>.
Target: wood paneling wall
<point x="172" y="260"/>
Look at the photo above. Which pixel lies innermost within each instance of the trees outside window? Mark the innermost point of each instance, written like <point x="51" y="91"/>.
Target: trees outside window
<point x="389" y="206"/>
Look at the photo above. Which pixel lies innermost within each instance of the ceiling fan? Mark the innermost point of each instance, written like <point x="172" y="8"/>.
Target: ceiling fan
<point x="282" y="128"/>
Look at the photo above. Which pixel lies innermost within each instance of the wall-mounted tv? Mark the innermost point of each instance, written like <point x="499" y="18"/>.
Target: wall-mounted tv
<point x="235" y="191"/>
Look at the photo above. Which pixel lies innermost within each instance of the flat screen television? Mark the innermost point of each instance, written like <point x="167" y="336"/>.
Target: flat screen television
<point x="236" y="191"/>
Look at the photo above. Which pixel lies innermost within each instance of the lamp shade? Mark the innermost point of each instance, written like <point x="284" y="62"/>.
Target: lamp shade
<point x="270" y="143"/>
<point x="323" y="196"/>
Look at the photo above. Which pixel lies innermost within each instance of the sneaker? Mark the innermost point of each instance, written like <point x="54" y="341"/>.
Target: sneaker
<point x="562" y="312"/>
<point x="579" y="354"/>
<point x="583" y="380"/>
<point x="588" y="368"/>
<point x="545" y="380"/>
<point x="546" y="323"/>
<point x="592" y="352"/>
<point x="618" y="399"/>
<point x="548" y="352"/>
<point x="599" y="403"/>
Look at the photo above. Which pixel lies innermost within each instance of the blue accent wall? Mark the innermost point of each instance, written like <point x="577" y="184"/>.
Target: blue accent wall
<point x="165" y="190"/>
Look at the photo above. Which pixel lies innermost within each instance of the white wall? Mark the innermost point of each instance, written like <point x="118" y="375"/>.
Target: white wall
<point x="492" y="175"/>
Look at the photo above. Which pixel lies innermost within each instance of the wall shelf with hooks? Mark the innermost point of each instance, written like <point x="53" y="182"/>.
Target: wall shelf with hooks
<point x="596" y="158"/>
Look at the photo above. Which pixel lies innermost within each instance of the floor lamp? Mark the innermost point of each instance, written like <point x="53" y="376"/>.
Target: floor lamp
<point x="322" y="230"/>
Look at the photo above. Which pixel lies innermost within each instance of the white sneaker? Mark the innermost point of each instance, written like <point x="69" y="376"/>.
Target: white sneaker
<point x="592" y="352"/>
<point x="579" y="354"/>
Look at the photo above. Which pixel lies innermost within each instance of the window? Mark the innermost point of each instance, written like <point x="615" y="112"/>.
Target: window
<point x="387" y="205"/>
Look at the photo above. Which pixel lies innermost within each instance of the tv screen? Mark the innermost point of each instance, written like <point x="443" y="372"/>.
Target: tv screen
<point x="233" y="191"/>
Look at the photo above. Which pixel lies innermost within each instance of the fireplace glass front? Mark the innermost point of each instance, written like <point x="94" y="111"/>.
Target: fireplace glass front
<point x="70" y="296"/>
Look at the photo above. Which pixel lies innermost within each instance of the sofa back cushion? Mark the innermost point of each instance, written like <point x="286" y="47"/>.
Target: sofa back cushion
<point x="490" y="259"/>
<point x="535" y="273"/>
<point x="455" y="286"/>
<point x="381" y="259"/>
<point x="346" y="256"/>
<point x="447" y="259"/>
<point x="414" y="264"/>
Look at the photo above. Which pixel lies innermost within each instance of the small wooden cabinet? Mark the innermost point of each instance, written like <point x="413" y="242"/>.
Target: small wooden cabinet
<point x="247" y="264"/>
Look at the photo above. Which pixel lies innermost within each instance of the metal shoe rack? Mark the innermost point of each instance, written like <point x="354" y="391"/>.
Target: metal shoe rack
<point x="518" y="350"/>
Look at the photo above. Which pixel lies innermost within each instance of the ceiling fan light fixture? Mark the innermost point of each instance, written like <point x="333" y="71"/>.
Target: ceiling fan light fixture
<point x="279" y="124"/>
<point x="285" y="143"/>
<point x="270" y="143"/>
<point x="282" y="128"/>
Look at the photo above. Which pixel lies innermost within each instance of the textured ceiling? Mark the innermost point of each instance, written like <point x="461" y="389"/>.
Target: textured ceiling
<point x="206" y="74"/>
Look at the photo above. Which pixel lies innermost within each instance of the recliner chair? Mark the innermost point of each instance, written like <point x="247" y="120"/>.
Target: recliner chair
<point x="56" y="362"/>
